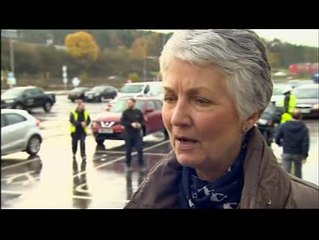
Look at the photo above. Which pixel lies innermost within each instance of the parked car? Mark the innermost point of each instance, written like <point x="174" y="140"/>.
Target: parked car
<point x="27" y="98"/>
<point x="108" y="126"/>
<point x="101" y="93"/>
<point x="19" y="132"/>
<point x="297" y="82"/>
<point x="307" y="99"/>
<point x="142" y="89"/>
<point x="78" y="93"/>
<point x="269" y="120"/>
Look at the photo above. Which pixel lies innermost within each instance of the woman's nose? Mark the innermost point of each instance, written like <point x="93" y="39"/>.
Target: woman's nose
<point x="180" y="114"/>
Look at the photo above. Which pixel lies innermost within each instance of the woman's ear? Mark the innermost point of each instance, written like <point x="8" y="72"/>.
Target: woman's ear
<point x="250" y="121"/>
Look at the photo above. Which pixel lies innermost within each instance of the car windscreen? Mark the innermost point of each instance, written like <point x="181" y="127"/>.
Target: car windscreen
<point x="78" y="90"/>
<point x="278" y="89"/>
<point x="97" y="89"/>
<point x="136" y="88"/>
<point x="120" y="105"/>
<point x="306" y="93"/>
<point x="269" y="111"/>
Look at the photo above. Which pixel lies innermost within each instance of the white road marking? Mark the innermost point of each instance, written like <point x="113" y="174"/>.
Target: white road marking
<point x="21" y="163"/>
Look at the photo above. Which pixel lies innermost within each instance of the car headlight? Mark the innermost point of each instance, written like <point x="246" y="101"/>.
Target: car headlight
<point x="316" y="106"/>
<point x="9" y="101"/>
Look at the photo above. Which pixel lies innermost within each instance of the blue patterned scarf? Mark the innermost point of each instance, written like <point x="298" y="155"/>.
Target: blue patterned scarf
<point x="222" y="193"/>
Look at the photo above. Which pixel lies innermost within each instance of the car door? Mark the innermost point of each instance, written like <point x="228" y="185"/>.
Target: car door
<point x="38" y="96"/>
<point x="111" y="92"/>
<point x="153" y="116"/>
<point x="12" y="132"/>
<point x="158" y="114"/>
<point x="33" y="97"/>
<point x="107" y="93"/>
<point x="28" y="98"/>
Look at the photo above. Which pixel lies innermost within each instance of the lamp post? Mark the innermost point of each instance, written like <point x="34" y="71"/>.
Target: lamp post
<point x="11" y="55"/>
<point x="144" y="70"/>
<point x="11" y="80"/>
<point x="145" y="66"/>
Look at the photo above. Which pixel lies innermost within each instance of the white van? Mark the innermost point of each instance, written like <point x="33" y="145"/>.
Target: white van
<point x="142" y="89"/>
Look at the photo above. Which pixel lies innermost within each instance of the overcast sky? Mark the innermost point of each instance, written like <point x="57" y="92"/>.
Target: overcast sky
<point x="306" y="37"/>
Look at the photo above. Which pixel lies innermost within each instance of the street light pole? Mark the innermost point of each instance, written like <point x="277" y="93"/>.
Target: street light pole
<point x="145" y="66"/>
<point x="11" y="55"/>
<point x="144" y="70"/>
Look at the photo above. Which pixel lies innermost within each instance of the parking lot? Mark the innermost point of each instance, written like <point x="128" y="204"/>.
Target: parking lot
<point x="49" y="180"/>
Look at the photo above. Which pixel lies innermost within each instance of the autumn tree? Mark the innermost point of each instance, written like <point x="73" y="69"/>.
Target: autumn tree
<point x="154" y="44"/>
<point x="82" y="45"/>
<point x="138" y="50"/>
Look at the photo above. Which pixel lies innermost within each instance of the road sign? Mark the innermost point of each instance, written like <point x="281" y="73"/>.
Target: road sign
<point x="76" y="82"/>
<point x="11" y="81"/>
<point x="64" y="75"/>
<point x="10" y="75"/>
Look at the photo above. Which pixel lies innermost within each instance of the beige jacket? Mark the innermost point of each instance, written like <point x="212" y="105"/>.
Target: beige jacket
<point x="266" y="184"/>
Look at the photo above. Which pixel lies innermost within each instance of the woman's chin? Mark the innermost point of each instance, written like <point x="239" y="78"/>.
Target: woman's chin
<point x="186" y="160"/>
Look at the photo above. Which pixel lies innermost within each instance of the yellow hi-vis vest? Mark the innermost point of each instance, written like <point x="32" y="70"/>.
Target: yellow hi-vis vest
<point x="285" y="117"/>
<point x="76" y="117"/>
<point x="292" y="103"/>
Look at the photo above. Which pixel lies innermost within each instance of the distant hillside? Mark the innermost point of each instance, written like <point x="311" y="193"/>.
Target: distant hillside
<point x="38" y="56"/>
<point x="105" y="38"/>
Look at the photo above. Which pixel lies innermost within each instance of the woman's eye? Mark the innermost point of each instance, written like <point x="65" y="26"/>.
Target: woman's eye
<point x="169" y="98"/>
<point x="202" y="101"/>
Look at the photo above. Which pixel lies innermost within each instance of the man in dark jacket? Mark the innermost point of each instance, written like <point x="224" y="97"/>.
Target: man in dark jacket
<point x="133" y="121"/>
<point x="80" y="120"/>
<point x="293" y="136"/>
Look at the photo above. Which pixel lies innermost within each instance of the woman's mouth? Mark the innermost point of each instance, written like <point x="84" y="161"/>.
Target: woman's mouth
<point x="184" y="142"/>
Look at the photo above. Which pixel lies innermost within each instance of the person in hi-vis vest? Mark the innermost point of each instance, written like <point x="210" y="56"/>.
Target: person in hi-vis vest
<point x="80" y="120"/>
<point x="289" y="103"/>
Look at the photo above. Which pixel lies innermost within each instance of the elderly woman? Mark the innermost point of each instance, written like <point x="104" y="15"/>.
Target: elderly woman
<point x="217" y="83"/>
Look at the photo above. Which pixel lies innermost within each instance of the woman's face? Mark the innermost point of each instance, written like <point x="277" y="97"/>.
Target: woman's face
<point x="200" y="116"/>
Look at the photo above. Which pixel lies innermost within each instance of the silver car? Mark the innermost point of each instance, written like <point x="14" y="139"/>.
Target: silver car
<point x="19" y="132"/>
<point x="308" y="99"/>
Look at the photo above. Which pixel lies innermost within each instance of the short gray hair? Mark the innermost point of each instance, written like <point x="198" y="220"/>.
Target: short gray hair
<point x="238" y="54"/>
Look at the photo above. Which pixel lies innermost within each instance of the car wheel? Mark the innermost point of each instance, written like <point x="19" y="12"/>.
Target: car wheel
<point x="47" y="106"/>
<point x="34" y="145"/>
